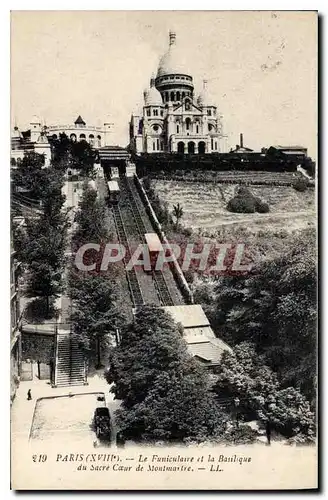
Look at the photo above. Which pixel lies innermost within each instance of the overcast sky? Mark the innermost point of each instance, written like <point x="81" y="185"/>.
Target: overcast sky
<point x="260" y="66"/>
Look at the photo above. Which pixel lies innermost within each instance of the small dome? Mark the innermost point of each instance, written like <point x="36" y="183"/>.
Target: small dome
<point x="172" y="62"/>
<point x="152" y="96"/>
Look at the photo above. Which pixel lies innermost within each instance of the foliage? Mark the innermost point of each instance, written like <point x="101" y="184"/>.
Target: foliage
<point x="165" y="391"/>
<point x="95" y="315"/>
<point x="177" y="213"/>
<point x="90" y="218"/>
<point x="245" y="202"/>
<point x="30" y="175"/>
<point x="38" y="347"/>
<point x="67" y="153"/>
<point x="243" y="374"/>
<point x="301" y="184"/>
<point x="275" y="307"/>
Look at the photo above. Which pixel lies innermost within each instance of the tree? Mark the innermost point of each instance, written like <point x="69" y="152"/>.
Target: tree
<point x="243" y="374"/>
<point x="275" y="307"/>
<point x="165" y="391"/>
<point x="177" y="213"/>
<point x="30" y="175"/>
<point x="90" y="218"/>
<point x="83" y="157"/>
<point x="95" y="315"/>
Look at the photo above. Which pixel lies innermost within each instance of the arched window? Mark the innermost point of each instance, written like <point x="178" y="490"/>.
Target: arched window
<point x="201" y="147"/>
<point x="178" y="128"/>
<point x="91" y="139"/>
<point x="73" y="137"/>
<point x="178" y="96"/>
<point x="210" y="127"/>
<point x="54" y="136"/>
<point x="197" y="128"/>
<point x="155" y="112"/>
<point x="188" y="123"/>
<point x="181" y="147"/>
<point x="99" y="140"/>
<point x="166" y="96"/>
<point x="172" y="96"/>
<point x="82" y="137"/>
<point x="191" y="147"/>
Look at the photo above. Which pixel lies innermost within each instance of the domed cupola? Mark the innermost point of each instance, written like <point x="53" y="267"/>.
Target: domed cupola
<point x="173" y="79"/>
<point x="152" y="96"/>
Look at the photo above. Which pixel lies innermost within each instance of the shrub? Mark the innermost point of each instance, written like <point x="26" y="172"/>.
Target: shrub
<point x="301" y="185"/>
<point x="239" y="204"/>
<point x="245" y="202"/>
<point x="262" y="207"/>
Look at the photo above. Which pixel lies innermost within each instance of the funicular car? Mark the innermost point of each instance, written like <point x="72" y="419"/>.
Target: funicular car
<point x="154" y="248"/>
<point x="113" y="192"/>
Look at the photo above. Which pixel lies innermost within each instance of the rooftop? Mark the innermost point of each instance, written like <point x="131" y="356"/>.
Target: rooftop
<point x="188" y="315"/>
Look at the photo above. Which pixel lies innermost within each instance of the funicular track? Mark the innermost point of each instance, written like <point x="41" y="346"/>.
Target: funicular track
<point x="158" y="277"/>
<point x="135" y="290"/>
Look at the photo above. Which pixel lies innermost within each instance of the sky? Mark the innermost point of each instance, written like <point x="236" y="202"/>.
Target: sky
<point x="261" y="68"/>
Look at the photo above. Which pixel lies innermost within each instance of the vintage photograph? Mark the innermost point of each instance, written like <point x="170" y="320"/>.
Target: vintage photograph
<point x="163" y="289"/>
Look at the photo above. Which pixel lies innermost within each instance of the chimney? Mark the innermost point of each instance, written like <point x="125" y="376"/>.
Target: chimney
<point x="172" y="37"/>
<point x="241" y="141"/>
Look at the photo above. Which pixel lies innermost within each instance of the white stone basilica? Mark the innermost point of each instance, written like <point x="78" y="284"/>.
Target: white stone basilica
<point x="173" y="119"/>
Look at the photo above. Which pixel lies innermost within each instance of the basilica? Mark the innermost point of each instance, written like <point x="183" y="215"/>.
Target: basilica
<point x="174" y="119"/>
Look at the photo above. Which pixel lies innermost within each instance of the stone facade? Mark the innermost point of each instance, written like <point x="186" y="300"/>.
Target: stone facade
<point x="173" y="119"/>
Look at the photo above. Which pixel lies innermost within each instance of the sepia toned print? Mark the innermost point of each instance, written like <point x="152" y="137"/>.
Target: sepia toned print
<point x="163" y="250"/>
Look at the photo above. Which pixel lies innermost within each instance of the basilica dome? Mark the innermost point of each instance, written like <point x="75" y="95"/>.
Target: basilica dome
<point x="172" y="62"/>
<point x="152" y="96"/>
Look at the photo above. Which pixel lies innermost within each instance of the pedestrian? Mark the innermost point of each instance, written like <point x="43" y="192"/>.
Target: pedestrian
<point x="29" y="395"/>
<point x="268" y="432"/>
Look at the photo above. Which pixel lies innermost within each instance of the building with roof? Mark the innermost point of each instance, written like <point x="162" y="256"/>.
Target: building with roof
<point x="198" y="333"/>
<point x="174" y="119"/>
<point x="37" y="137"/>
<point x="79" y="130"/>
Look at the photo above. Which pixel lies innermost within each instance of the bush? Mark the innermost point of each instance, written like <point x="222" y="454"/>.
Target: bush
<point x="301" y="185"/>
<point x="245" y="202"/>
<point x="239" y="205"/>
<point x="262" y="207"/>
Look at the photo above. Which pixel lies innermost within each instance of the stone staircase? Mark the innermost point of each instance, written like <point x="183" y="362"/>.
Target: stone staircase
<point x="71" y="367"/>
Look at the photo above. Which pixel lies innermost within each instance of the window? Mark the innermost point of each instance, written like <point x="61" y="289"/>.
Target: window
<point x="188" y="121"/>
<point x="178" y="128"/>
<point x="183" y="95"/>
<point x="172" y="96"/>
<point x="155" y="112"/>
<point x="166" y="96"/>
<point x="197" y="129"/>
<point x="155" y="128"/>
<point x="209" y="112"/>
<point x="162" y="146"/>
<point x="210" y="127"/>
<point x="161" y="112"/>
<point x="148" y="112"/>
<point x="157" y="142"/>
<point x="216" y="146"/>
<point x="154" y="146"/>
<point x="212" y="144"/>
<point x="178" y="96"/>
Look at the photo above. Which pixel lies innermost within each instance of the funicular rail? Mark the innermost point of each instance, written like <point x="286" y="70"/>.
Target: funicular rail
<point x="158" y="277"/>
<point x="135" y="290"/>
